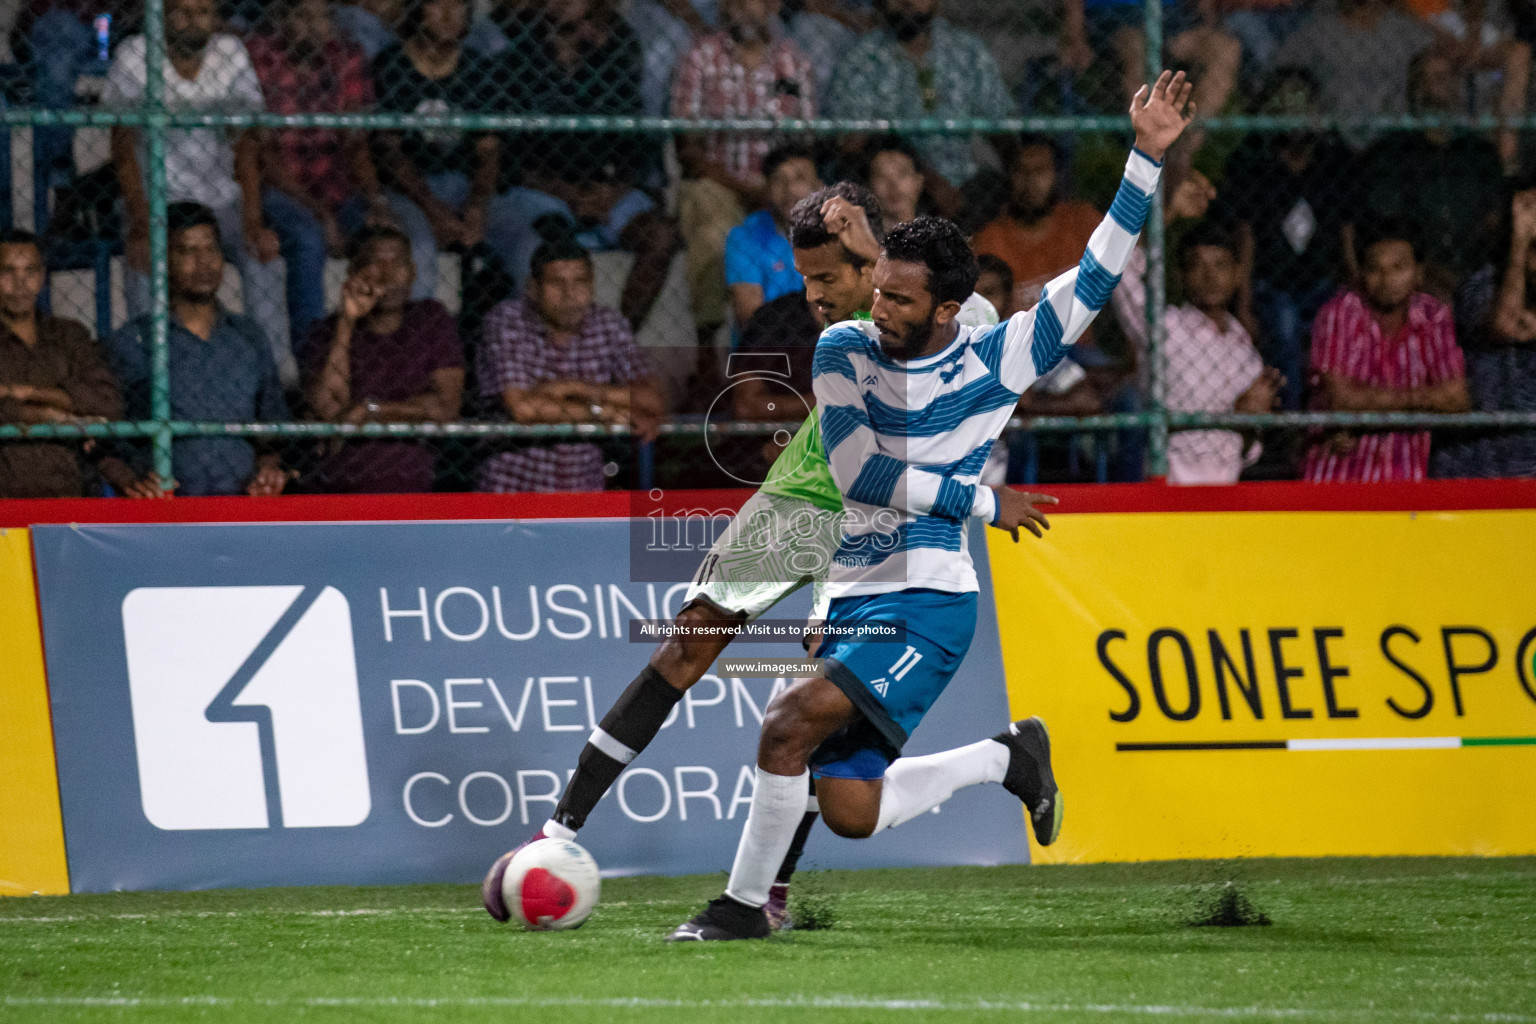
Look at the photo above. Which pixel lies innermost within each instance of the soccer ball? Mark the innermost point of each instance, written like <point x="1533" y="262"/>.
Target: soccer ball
<point x="550" y="885"/>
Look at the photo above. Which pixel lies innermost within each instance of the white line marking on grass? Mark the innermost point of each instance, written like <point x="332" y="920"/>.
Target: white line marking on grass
<point x="249" y="914"/>
<point x="811" y="1003"/>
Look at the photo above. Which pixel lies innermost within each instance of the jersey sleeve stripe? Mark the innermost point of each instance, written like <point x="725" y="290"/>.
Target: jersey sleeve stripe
<point x="1129" y="209"/>
<point x="955" y="499"/>
<point x="1094" y="282"/>
<point x="988" y="346"/>
<point x="838" y="422"/>
<point x="971" y="465"/>
<point x="832" y="359"/>
<point x="876" y="482"/>
<point x="1047" y="349"/>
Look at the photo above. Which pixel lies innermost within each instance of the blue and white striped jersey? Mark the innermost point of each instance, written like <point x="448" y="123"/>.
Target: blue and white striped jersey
<point x="906" y="441"/>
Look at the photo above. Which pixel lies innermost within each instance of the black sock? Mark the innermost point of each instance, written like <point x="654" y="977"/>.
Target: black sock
<point x="796" y="848"/>
<point x="627" y="728"/>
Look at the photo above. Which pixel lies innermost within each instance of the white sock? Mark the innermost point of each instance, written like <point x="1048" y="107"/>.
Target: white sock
<point x="915" y="785"/>
<point x="554" y="830"/>
<point x="778" y="802"/>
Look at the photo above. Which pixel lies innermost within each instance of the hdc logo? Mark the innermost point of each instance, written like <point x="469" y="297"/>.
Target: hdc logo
<point x="245" y="707"/>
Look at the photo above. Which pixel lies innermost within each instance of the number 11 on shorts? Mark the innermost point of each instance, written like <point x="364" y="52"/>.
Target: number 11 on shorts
<point x="904" y="663"/>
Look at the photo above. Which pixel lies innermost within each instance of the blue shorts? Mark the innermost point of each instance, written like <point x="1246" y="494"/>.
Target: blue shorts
<point x="893" y="684"/>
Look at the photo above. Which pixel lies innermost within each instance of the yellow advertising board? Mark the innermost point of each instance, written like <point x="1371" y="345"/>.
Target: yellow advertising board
<point x="31" y="829"/>
<point x="1235" y="684"/>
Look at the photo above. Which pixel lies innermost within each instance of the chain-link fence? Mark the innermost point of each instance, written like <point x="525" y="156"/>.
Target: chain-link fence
<point x="406" y="245"/>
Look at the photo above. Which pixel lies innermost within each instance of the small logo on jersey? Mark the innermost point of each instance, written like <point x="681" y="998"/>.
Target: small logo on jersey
<point x="880" y="686"/>
<point x="871" y="380"/>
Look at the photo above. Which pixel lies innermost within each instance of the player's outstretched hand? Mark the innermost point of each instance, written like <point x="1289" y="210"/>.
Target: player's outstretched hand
<point x="1161" y="116"/>
<point x="1017" y="508"/>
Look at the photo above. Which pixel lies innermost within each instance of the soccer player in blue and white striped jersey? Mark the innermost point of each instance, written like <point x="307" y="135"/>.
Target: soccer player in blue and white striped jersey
<point x="910" y="404"/>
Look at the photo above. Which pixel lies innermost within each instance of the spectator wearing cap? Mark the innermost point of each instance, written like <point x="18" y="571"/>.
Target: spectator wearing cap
<point x="555" y="356"/>
<point x="205" y="72"/>
<point x="50" y="372"/>
<point x="382" y="357"/>
<point x="221" y="371"/>
<point x="739" y="72"/>
<point x="1385" y="346"/>
<point x="443" y="181"/>
<point x="320" y="183"/>
<point x="759" y="262"/>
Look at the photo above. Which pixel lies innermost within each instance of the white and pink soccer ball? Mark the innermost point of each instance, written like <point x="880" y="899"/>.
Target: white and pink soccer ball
<point x="548" y="885"/>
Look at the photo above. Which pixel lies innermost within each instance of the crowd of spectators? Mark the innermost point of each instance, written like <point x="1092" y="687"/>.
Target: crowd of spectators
<point x="1354" y="270"/>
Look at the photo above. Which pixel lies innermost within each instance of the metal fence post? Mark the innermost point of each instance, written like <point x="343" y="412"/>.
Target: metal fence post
<point x="1157" y="293"/>
<point x="159" y="284"/>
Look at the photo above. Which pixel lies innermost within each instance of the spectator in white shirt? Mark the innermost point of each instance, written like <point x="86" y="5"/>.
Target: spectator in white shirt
<point x="1209" y="360"/>
<point x="205" y="72"/>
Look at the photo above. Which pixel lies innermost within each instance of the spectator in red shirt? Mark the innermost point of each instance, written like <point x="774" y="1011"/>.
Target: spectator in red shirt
<point x="319" y="184"/>
<point x="1385" y="346"/>
<point x="739" y="72"/>
<point x="382" y="358"/>
<point x="555" y="356"/>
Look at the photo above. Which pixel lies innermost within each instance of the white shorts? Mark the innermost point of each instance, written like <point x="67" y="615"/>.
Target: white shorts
<point x="773" y="547"/>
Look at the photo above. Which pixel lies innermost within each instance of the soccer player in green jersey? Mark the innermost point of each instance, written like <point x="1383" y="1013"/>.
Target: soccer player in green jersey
<point x="783" y="538"/>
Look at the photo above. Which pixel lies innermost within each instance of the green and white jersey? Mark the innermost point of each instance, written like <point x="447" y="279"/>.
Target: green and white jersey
<point x="801" y="468"/>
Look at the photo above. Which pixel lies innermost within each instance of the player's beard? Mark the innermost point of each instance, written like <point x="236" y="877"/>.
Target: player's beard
<point x="914" y="340"/>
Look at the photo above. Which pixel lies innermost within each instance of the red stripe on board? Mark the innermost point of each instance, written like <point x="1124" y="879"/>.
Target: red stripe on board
<point x="365" y="507"/>
<point x="1430" y="496"/>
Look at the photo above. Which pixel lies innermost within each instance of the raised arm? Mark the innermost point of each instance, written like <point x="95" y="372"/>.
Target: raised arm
<point x="1030" y="343"/>
<point x="862" y="472"/>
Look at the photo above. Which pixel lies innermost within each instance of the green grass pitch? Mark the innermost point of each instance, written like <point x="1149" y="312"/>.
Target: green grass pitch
<point x="1351" y="940"/>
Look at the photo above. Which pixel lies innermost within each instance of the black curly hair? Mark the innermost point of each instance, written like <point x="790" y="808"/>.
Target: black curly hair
<point x="808" y="231"/>
<point x="940" y="246"/>
<point x="1209" y="233"/>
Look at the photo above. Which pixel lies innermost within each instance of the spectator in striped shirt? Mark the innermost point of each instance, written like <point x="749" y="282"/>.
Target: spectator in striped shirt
<point x="1385" y="346"/>
<point x="741" y="71"/>
<point x="555" y="356"/>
